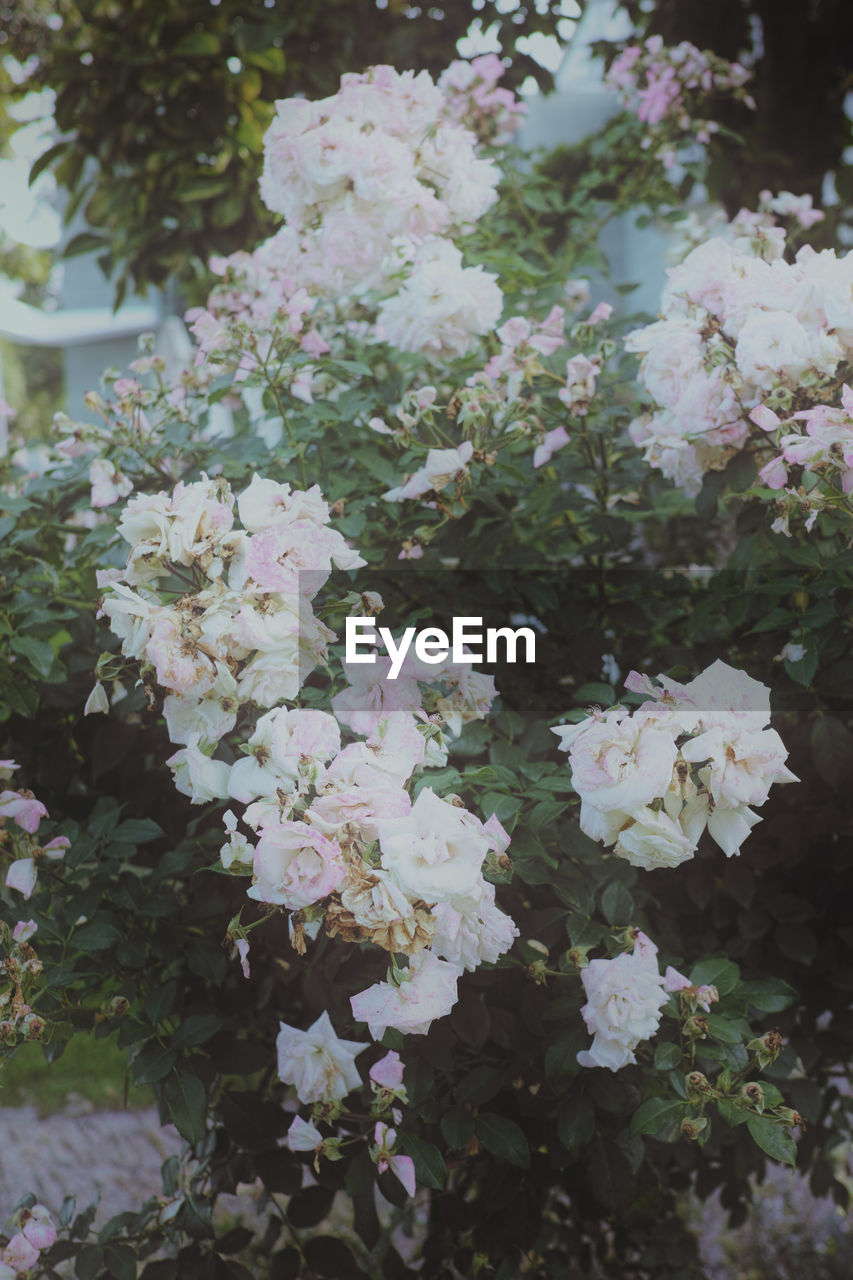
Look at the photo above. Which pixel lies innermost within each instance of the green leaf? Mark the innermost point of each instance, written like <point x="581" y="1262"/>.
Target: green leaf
<point x="46" y="158"/>
<point x="121" y="1261"/>
<point x="545" y="813"/>
<point x="195" y="1030"/>
<point x="83" y="242"/>
<point x="774" y="1139"/>
<point x="804" y="671"/>
<point x="457" y="1127"/>
<point x="197" y="44"/>
<point x="719" y="973"/>
<point x="730" y="1113"/>
<point x="576" y="1123"/>
<point x="430" y="1168"/>
<point x="502" y="806"/>
<point x="186" y="1101"/>
<point x="667" y="1056"/>
<point x="617" y="904"/>
<point x="90" y="1261"/>
<point x="137" y="831"/>
<point x="603" y="695"/>
<point x="152" y="1063"/>
<point x="771" y="995"/>
<point x="479" y="1085"/>
<point x="726" y="1030"/>
<point x="38" y="653"/>
<point x="310" y="1206"/>
<point x="97" y="936"/>
<point x="657" y="1116"/>
<point x="503" y="1138"/>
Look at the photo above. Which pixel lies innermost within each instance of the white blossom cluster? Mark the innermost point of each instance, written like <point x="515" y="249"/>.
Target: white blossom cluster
<point x="374" y="184"/>
<point x="693" y="756"/>
<point x="215" y="603"/>
<point x="749" y="347"/>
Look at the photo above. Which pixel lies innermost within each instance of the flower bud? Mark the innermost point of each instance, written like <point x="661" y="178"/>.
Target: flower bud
<point x="692" y="1126"/>
<point x="753" y="1094"/>
<point x="697" y="1084"/>
<point x="116" y="1007"/>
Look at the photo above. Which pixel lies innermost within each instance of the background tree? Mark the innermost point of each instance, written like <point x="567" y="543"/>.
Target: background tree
<point x="163" y="108"/>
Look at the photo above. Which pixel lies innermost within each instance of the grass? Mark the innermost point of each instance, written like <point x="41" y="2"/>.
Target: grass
<point x="89" y="1069"/>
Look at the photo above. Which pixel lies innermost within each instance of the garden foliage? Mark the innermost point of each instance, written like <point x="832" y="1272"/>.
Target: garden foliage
<point x="364" y="933"/>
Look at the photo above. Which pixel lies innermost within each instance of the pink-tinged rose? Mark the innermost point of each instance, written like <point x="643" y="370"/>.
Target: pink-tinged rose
<point x="55" y="848"/>
<point x="22" y="808"/>
<point x="774" y="474"/>
<point x="359" y="808"/>
<point x="403" y="1168"/>
<point x="705" y="995"/>
<point x="602" y="312"/>
<point x="22" y="875"/>
<point x="651" y="839"/>
<point x="387" y="1073"/>
<point x="742" y="765"/>
<point x="765" y="418"/>
<point x="295" y="865"/>
<point x="24" y="930"/>
<point x="38" y="1227"/>
<point x="427" y="990"/>
<point x="620" y="761"/>
<point x="20" y="1254"/>
<point x="497" y="833"/>
<point x="242" y="945"/>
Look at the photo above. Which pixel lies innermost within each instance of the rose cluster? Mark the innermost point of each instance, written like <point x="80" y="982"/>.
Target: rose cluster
<point x="472" y="98"/>
<point x="666" y="87"/>
<point x="751" y="352"/>
<point x="219" y="615"/>
<point x="342" y="845"/>
<point x="18" y="844"/>
<point x="374" y="183"/>
<point x="34" y="1231"/>
<point x="215" y="603"/>
<point x="692" y="756"/>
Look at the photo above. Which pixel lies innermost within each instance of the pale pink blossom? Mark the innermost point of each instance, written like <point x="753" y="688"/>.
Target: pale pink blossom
<point x="425" y="991"/>
<point x="23" y="809"/>
<point x="295" y="865"/>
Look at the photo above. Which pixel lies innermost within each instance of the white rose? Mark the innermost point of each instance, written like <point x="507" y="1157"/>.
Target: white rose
<point x="319" y="1065"/>
<point x="620" y="761"/>
<point x="472" y="930"/>
<point x="199" y="777"/>
<point x="436" y="851"/>
<point x="651" y="840"/>
<point x="624" y="999"/>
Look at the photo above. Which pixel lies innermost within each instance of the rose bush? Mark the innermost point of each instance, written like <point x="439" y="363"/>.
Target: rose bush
<point x="355" y="932"/>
